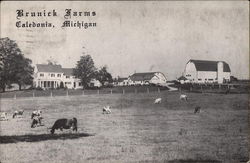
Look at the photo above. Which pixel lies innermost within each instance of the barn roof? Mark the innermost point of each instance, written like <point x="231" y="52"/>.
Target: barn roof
<point x="204" y="65"/>
<point x="142" y="76"/>
<point x="68" y="71"/>
<point x="49" y="68"/>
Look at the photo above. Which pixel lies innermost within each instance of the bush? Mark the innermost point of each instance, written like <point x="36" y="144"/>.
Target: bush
<point x="39" y="89"/>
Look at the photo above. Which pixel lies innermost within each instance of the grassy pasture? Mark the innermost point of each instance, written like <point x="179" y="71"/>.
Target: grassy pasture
<point x="135" y="131"/>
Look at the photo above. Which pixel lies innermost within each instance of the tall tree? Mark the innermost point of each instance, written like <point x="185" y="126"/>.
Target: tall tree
<point x="103" y="75"/>
<point x="85" y="70"/>
<point x="24" y="72"/>
<point x="14" y="67"/>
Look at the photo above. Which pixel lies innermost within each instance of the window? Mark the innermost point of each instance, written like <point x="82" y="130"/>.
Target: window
<point x="58" y="75"/>
<point x="80" y="84"/>
<point x="67" y="76"/>
<point x="210" y="79"/>
<point x="52" y="75"/>
<point x="41" y="75"/>
<point x="199" y="79"/>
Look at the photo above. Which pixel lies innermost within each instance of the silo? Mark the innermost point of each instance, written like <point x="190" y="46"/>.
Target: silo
<point x="220" y="72"/>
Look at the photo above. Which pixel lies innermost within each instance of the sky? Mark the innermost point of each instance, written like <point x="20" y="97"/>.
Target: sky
<point x="140" y="36"/>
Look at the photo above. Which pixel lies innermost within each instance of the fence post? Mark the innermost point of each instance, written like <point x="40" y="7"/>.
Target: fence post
<point x="111" y="91"/>
<point x="83" y="92"/>
<point x="219" y="86"/>
<point x="159" y="90"/>
<point x="33" y="94"/>
<point x="147" y="90"/>
<point x="135" y="90"/>
<point x="201" y="89"/>
<point x="98" y="91"/>
<point x="50" y="93"/>
<point x="15" y="96"/>
<point x="123" y="91"/>
<point x="67" y="94"/>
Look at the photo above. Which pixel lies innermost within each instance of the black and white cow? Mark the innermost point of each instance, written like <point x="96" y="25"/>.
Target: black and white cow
<point x="106" y="110"/>
<point x="64" y="124"/>
<point x="183" y="97"/>
<point x="17" y="113"/>
<point x="36" y="113"/>
<point x="3" y="116"/>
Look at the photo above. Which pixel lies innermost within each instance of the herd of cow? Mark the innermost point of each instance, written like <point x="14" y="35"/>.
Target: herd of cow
<point x="36" y="117"/>
<point x="184" y="97"/>
<point x="36" y="120"/>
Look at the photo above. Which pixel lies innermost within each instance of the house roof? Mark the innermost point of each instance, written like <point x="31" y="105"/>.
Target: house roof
<point x="182" y="78"/>
<point x="49" y="68"/>
<point x="121" y="79"/>
<point x="204" y="65"/>
<point x="142" y="76"/>
<point x="68" y="71"/>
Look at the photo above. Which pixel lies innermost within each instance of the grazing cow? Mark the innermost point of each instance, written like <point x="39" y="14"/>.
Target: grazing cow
<point x="106" y="109"/>
<point x="37" y="113"/>
<point x="183" y="97"/>
<point x="17" y="113"/>
<point x="197" y="109"/>
<point x="3" y="116"/>
<point x="157" y="101"/>
<point x="64" y="124"/>
<point x="36" y="121"/>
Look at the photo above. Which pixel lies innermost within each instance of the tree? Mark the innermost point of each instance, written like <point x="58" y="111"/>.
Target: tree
<point x="85" y="70"/>
<point x="24" y="72"/>
<point x="14" y="67"/>
<point x="103" y="75"/>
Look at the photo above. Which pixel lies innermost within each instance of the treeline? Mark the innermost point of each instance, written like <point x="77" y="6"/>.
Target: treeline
<point x="15" y="68"/>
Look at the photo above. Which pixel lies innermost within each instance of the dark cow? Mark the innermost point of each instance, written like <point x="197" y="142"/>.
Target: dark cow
<point x="64" y="124"/>
<point x="36" y="121"/>
<point x="197" y="109"/>
<point x="17" y="113"/>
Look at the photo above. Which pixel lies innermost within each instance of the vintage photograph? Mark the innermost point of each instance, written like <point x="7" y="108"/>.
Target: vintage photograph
<point x="124" y="81"/>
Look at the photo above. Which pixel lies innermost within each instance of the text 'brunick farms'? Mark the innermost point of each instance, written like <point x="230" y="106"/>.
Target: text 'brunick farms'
<point x="41" y="19"/>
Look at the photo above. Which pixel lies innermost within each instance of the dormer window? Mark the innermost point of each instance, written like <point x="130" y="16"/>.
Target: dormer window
<point x="41" y="75"/>
<point x="58" y="75"/>
<point x="52" y="75"/>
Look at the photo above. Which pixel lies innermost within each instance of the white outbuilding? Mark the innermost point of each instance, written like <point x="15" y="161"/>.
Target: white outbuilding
<point x="146" y="78"/>
<point x="203" y="71"/>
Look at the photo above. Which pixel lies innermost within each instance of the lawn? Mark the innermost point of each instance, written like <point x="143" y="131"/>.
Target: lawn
<point x="135" y="131"/>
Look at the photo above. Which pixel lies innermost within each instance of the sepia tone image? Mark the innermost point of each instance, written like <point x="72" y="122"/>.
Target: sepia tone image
<point x="124" y="81"/>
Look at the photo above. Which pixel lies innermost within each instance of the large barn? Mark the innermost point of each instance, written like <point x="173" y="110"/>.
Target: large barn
<point x="147" y="78"/>
<point x="203" y="71"/>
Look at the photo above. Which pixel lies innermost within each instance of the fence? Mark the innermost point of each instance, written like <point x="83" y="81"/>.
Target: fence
<point x="216" y="88"/>
<point x="69" y="92"/>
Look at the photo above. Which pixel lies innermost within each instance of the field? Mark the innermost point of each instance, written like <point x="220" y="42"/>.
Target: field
<point x="135" y="131"/>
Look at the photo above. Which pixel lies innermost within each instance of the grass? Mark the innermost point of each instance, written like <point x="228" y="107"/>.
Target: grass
<point x="135" y="131"/>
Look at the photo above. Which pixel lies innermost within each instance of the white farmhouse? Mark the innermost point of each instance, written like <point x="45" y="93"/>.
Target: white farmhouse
<point x="203" y="71"/>
<point x="52" y="76"/>
<point x="121" y="81"/>
<point x="147" y="78"/>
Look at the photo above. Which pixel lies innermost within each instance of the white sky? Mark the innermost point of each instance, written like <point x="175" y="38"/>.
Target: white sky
<point x="137" y="36"/>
